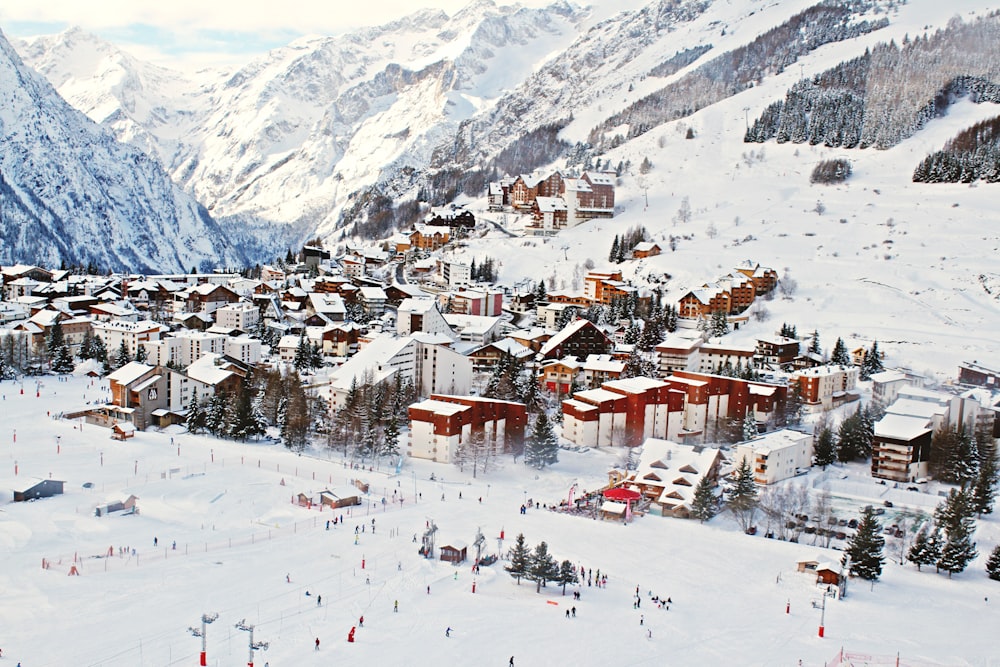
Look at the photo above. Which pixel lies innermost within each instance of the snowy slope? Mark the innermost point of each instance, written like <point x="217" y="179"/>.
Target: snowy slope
<point x="228" y="508"/>
<point x="69" y="192"/>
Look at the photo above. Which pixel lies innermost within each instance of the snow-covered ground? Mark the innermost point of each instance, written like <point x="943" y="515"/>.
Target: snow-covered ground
<point x="228" y="508"/>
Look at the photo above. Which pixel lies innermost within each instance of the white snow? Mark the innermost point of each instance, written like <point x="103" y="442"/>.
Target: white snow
<point x="229" y="508"/>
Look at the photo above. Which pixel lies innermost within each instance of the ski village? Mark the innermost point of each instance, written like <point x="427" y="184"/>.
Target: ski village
<point x="712" y="389"/>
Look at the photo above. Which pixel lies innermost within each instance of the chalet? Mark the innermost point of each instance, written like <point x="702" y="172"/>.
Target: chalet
<point x="701" y="303"/>
<point x="558" y="375"/>
<point x="122" y="431"/>
<point x="338" y="498"/>
<point x="373" y="299"/>
<point x="204" y="298"/>
<point x="313" y="256"/>
<point x="453" y="217"/>
<point x="645" y="249"/>
<point x="533" y="338"/>
<point x="764" y="279"/>
<point x="668" y="474"/>
<point x="579" y="338"/>
<point x="487" y="356"/>
<point x="455" y="551"/>
<point x="396" y="292"/>
<point x="978" y="375"/>
<point x="428" y="238"/>
<point x="340" y="339"/>
<point x="353" y="266"/>
<point x="741" y="291"/>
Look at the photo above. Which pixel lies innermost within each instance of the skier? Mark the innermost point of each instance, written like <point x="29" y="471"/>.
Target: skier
<point x="317" y="643"/>
<point x="154" y="541"/>
<point x="447" y="632"/>
<point x="288" y="578"/>
<point x="319" y="600"/>
<point x="395" y="606"/>
<point x="511" y="663"/>
<point x="361" y="622"/>
<point x="641" y="619"/>
<point x="574" y="612"/>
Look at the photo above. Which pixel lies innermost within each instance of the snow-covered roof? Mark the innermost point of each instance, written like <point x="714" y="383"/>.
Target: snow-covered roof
<point x="204" y="370"/>
<point x="130" y="372"/>
<point x="635" y="385"/>
<point x="440" y="407"/>
<point x="550" y="204"/>
<point x="901" y="427"/>
<point x="418" y="305"/>
<point x="569" y="330"/>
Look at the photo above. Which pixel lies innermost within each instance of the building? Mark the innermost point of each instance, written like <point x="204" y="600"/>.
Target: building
<point x="764" y="278"/>
<point x="45" y="488"/>
<point x="645" y="249"/>
<point x="445" y="428"/>
<point x="488" y="302"/>
<point x="558" y="375"/>
<point x="600" y="368"/>
<point x="132" y="334"/>
<point x="901" y="446"/>
<point x="776" y="455"/>
<point x="714" y="357"/>
<point x="979" y="375"/>
<point x="456" y="274"/>
<point x="243" y="316"/>
<point x="137" y="390"/>
<point x="426" y="360"/>
<point x="668" y="474"/>
<point x="826" y="387"/>
<point x="776" y="351"/>
<point x="677" y="353"/>
<point x="623" y="413"/>
<point x="421" y="315"/>
<point x="579" y="338"/>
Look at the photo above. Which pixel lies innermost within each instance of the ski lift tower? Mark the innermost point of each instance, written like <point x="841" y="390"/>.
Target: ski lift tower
<point x="205" y="620"/>
<point x="478" y="543"/>
<point x="254" y="646"/>
<point x="428" y="540"/>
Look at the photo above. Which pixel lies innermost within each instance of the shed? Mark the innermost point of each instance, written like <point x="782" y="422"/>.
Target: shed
<point x="123" y="430"/>
<point x="337" y="499"/>
<point x="826" y="574"/>
<point x="43" y="489"/>
<point x="454" y="552"/>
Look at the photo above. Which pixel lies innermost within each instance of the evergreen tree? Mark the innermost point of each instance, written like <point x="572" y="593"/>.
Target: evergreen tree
<point x="543" y="567"/>
<point x="122" y="357"/>
<point x="985" y="489"/>
<point x="954" y="518"/>
<point x="750" y="430"/>
<point x="302" y="353"/>
<point x="390" y="438"/>
<point x="520" y="559"/>
<point x="243" y="422"/>
<point x="217" y="417"/>
<point x="719" y="324"/>
<point x="993" y="564"/>
<point x="632" y="334"/>
<point x="670" y="318"/>
<point x="853" y="438"/>
<point x="864" y="548"/>
<point x="705" y="503"/>
<point x="87" y="345"/>
<point x="825" y="450"/>
<point x="542" y="448"/>
<point x="567" y="575"/>
<point x="100" y="353"/>
<point x="814" y="347"/>
<point x="62" y="359"/>
<point x="742" y="498"/>
<point x="615" y="247"/>
<point x="196" y="417"/>
<point x="925" y="549"/>
<point x="788" y="331"/>
<point x="840" y="354"/>
<point x="872" y="362"/>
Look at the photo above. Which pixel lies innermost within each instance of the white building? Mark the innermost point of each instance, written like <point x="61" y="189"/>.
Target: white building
<point x="420" y="315"/>
<point x="776" y="455"/>
<point x="456" y="274"/>
<point x="242" y="316"/>
<point x="886" y="386"/>
<point x="133" y="334"/>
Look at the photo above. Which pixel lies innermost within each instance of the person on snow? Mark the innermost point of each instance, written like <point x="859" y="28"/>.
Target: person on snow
<point x="361" y="622"/>
<point x="395" y="606"/>
<point x="317" y="643"/>
<point x="447" y="632"/>
<point x="319" y="600"/>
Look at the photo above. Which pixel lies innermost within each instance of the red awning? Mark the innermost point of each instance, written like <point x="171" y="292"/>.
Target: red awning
<point x="622" y="495"/>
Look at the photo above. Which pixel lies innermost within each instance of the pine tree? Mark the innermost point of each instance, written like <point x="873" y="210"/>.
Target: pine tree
<point x="993" y="564"/>
<point x="872" y="362"/>
<point x="122" y="357"/>
<point x="750" y="430"/>
<point x="567" y="575"/>
<point x="985" y="489"/>
<point x="87" y="345"/>
<point x="954" y="518"/>
<point x="742" y="498"/>
<point x="217" y="417"/>
<point x="705" y="503"/>
<point x="825" y="450"/>
<point x="865" y="548"/>
<point x="840" y="355"/>
<point x="719" y="324"/>
<point x="542" y="448"/>
<point x="814" y="347"/>
<point x="925" y="549"/>
<point x="543" y="567"/>
<point x="196" y="417"/>
<point x="613" y="255"/>
<point x="520" y="559"/>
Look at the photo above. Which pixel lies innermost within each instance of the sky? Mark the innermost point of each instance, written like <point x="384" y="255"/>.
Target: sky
<point x="215" y="33"/>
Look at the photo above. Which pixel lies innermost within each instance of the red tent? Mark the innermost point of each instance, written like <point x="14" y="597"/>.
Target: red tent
<point x="622" y="495"/>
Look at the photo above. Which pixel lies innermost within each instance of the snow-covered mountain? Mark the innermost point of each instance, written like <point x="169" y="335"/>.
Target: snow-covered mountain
<point x="70" y="192"/>
<point x="290" y="136"/>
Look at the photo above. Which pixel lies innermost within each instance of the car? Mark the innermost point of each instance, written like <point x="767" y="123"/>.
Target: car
<point x="912" y="488"/>
<point x="853" y="523"/>
<point x="879" y="511"/>
<point x="888" y="503"/>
